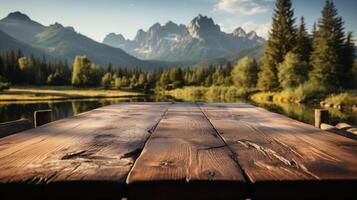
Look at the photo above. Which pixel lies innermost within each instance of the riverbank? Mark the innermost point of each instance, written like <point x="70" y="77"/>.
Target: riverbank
<point x="276" y="101"/>
<point x="35" y="93"/>
<point x="306" y="95"/>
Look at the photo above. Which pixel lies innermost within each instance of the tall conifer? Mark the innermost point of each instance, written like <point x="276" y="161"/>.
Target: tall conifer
<point x="282" y="39"/>
<point x="303" y="46"/>
<point x="329" y="49"/>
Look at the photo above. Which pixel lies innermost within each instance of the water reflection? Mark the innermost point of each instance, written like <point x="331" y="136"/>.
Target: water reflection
<point x="62" y="109"/>
<point x="301" y="112"/>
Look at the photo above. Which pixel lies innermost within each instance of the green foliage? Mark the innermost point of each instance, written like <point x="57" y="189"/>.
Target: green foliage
<point x="107" y="80"/>
<point x="303" y="46"/>
<point x="292" y="72"/>
<point x="24" y="63"/>
<point x="346" y="98"/>
<point x="268" y="79"/>
<point x="133" y="82"/>
<point x="164" y="80"/>
<point x="303" y="93"/>
<point x="282" y="39"/>
<point x="214" y="93"/>
<point x="60" y="76"/>
<point x="84" y="73"/>
<point x="329" y="48"/>
<point x="262" y="96"/>
<point x="245" y="73"/>
<point x="348" y="72"/>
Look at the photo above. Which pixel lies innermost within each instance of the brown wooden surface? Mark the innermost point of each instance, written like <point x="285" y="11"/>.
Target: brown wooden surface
<point x="204" y="151"/>
<point x="84" y="157"/>
<point x="185" y="159"/>
<point x="284" y="158"/>
<point x="8" y="128"/>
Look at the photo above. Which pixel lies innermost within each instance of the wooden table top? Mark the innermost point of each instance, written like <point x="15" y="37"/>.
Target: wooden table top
<point x="177" y="151"/>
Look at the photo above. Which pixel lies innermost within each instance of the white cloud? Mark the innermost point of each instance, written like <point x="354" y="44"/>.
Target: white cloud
<point x="261" y="29"/>
<point x="246" y="7"/>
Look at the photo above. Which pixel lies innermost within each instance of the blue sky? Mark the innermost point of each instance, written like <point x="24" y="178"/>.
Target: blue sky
<point x="96" y="18"/>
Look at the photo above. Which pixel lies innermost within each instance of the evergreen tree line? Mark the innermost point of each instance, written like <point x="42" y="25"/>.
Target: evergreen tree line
<point x="87" y="74"/>
<point x="17" y="69"/>
<point x="293" y="56"/>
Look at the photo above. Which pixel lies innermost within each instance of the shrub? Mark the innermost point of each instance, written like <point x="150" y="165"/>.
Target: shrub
<point x="346" y="98"/>
<point x="302" y="93"/>
<point x="263" y="96"/>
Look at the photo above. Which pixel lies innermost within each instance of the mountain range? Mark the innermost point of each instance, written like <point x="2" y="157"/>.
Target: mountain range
<point x="201" y="41"/>
<point x="60" y="42"/>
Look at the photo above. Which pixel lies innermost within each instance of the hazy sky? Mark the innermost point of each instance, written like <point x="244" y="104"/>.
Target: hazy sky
<point x="96" y="18"/>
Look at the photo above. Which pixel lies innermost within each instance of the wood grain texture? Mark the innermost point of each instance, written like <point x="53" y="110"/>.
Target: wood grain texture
<point x="284" y="158"/>
<point x="185" y="159"/>
<point x="9" y="128"/>
<point x="87" y="156"/>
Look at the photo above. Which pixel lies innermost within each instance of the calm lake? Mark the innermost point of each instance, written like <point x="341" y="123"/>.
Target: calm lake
<point x="62" y="109"/>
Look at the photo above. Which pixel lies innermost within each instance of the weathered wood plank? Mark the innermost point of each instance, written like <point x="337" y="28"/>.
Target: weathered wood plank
<point x="85" y="157"/>
<point x="185" y="159"/>
<point x="8" y="128"/>
<point x="284" y="158"/>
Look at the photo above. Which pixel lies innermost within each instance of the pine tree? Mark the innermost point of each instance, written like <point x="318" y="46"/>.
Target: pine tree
<point x="303" y="46"/>
<point x="282" y="39"/>
<point x="329" y="47"/>
<point x="347" y="79"/>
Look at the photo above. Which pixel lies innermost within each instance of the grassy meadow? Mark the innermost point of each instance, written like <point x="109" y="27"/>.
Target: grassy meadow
<point x="35" y="93"/>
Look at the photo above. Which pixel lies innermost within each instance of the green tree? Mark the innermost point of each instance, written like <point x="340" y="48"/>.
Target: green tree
<point x="133" y="81"/>
<point x="347" y="78"/>
<point x="328" y="44"/>
<point x="26" y="67"/>
<point x="118" y="83"/>
<point x="208" y="81"/>
<point x="57" y="78"/>
<point x="84" y="73"/>
<point x="125" y="81"/>
<point x="218" y="77"/>
<point x="164" y="80"/>
<point x="282" y="39"/>
<point x="245" y="73"/>
<point x="107" y="80"/>
<point x="293" y="71"/>
<point x="142" y="81"/>
<point x="303" y="46"/>
<point x="176" y="77"/>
